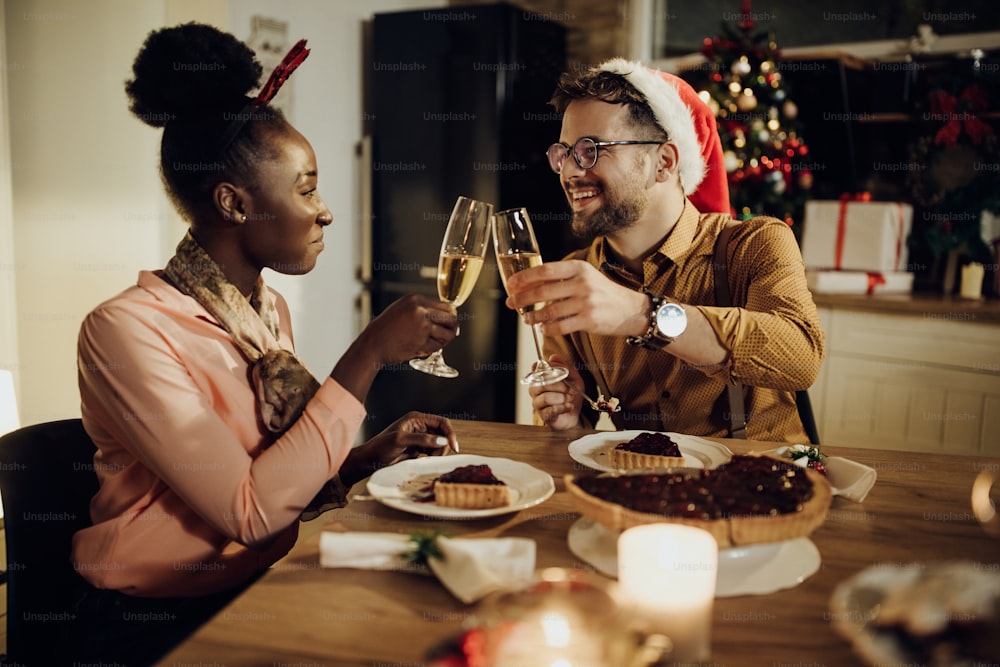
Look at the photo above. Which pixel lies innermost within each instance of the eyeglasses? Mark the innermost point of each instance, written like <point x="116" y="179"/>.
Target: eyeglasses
<point x="584" y="152"/>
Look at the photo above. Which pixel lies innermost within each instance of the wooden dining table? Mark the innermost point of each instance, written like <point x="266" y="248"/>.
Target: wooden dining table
<point x="302" y="614"/>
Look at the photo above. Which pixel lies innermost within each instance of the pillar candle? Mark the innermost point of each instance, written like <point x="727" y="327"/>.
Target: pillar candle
<point x="668" y="571"/>
<point x="972" y="281"/>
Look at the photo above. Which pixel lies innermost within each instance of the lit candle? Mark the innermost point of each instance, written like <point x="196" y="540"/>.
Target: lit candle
<point x="552" y="638"/>
<point x="668" y="571"/>
<point x="972" y="281"/>
<point x="566" y="618"/>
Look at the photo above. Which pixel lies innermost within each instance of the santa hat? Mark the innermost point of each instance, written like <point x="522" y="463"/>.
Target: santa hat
<point x="663" y="95"/>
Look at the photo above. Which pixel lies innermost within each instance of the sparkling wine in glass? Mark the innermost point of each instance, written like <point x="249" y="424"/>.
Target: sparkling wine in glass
<point x="462" y="251"/>
<point x="517" y="249"/>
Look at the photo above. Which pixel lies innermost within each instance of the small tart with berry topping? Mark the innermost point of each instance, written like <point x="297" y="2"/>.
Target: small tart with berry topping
<point x="646" y="450"/>
<point x="472" y="487"/>
<point x="751" y="499"/>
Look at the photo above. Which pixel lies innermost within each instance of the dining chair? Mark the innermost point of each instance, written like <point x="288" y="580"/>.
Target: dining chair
<point x="46" y="482"/>
<point x="804" y="406"/>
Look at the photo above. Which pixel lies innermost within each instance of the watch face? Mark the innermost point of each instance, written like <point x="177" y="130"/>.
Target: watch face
<point x="671" y="320"/>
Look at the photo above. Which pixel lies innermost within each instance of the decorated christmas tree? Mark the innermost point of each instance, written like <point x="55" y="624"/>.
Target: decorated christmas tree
<point x="765" y="155"/>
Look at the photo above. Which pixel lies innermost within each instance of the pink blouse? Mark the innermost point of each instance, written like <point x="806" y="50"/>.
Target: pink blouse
<point x="194" y="496"/>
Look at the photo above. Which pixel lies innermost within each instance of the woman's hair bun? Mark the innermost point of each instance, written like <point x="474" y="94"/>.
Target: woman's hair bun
<point x="189" y="69"/>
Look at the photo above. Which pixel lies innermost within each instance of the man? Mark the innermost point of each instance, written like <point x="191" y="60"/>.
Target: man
<point x="634" y="316"/>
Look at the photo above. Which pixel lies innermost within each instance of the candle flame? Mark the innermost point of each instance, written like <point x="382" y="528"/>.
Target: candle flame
<point x="555" y="627"/>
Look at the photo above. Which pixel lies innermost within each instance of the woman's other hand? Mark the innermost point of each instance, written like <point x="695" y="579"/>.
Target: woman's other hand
<point x="412" y="435"/>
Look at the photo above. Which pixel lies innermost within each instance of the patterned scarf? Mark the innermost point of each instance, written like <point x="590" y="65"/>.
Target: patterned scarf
<point x="282" y="384"/>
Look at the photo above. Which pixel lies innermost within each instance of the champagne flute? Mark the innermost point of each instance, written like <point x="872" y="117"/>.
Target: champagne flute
<point x="517" y="249"/>
<point x="463" y="251"/>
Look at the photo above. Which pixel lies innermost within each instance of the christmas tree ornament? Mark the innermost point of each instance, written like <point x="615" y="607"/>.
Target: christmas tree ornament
<point x="746" y="101"/>
<point x="730" y="161"/>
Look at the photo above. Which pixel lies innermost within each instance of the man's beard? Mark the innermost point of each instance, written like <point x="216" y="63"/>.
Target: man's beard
<point x="621" y="209"/>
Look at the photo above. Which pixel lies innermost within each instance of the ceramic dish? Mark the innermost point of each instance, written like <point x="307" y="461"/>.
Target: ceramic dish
<point x="758" y="569"/>
<point x="591" y="451"/>
<point x="934" y="593"/>
<point x="399" y="486"/>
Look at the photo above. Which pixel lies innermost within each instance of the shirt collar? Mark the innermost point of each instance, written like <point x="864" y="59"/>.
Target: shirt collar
<point x="678" y="244"/>
<point x="675" y="248"/>
<point x="154" y="283"/>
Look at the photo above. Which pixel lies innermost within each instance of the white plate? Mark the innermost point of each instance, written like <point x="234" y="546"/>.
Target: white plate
<point x="758" y="569"/>
<point x="592" y="450"/>
<point x="856" y="601"/>
<point x="395" y="485"/>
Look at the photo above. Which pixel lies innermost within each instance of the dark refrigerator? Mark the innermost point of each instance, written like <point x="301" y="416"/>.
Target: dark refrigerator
<point x="457" y="102"/>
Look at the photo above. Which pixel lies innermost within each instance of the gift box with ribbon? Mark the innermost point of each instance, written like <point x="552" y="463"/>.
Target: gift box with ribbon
<point x="856" y="234"/>
<point x="858" y="282"/>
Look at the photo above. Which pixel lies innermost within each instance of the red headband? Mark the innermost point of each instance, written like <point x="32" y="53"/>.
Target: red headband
<point x="281" y="73"/>
<point x="288" y="64"/>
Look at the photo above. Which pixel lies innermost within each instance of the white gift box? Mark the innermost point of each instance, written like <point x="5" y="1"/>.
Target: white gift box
<point x="858" y="282"/>
<point x="856" y="235"/>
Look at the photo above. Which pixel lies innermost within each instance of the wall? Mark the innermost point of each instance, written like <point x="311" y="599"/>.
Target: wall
<point x="86" y="199"/>
<point x="8" y="317"/>
<point x="88" y="208"/>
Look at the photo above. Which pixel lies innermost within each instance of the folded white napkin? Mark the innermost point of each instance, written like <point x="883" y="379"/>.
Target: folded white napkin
<point x="470" y="568"/>
<point x="849" y="479"/>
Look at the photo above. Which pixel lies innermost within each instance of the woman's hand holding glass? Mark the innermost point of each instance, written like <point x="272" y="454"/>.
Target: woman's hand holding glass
<point x="461" y="259"/>
<point x="516" y="250"/>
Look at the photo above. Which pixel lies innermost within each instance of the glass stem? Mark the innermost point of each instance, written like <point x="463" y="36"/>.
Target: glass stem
<point x="536" y="334"/>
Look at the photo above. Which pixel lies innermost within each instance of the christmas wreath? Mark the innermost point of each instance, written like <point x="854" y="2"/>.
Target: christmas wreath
<point x="959" y="174"/>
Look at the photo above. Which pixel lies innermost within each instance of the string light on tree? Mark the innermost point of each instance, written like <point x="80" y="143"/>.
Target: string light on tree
<point x="765" y="156"/>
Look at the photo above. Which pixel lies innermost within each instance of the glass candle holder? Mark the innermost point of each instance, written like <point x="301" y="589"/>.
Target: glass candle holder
<point x="565" y="618"/>
<point x="985" y="499"/>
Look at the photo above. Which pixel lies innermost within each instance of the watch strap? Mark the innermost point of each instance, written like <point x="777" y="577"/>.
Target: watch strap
<point x="650" y="340"/>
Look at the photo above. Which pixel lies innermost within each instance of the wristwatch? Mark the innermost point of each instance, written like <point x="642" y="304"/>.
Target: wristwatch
<point x="667" y="321"/>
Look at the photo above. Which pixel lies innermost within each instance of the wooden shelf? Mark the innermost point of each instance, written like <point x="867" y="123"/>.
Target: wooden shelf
<point x="925" y="305"/>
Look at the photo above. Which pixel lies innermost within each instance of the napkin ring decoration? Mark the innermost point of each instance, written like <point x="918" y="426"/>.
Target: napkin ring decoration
<point x="425" y="547"/>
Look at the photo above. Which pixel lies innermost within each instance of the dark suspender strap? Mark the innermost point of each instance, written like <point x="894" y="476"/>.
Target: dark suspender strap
<point x="720" y="267"/>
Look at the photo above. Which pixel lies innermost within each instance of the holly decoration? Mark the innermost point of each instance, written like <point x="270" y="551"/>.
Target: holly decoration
<point x="808" y="456"/>
<point x="766" y="158"/>
<point x="425" y="547"/>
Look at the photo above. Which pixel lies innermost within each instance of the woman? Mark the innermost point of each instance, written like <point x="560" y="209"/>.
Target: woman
<point x="212" y="438"/>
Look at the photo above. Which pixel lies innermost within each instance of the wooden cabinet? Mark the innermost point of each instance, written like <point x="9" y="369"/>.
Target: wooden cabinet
<point x="910" y="374"/>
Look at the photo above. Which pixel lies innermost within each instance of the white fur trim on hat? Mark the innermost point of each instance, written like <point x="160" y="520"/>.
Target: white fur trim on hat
<point x="673" y="116"/>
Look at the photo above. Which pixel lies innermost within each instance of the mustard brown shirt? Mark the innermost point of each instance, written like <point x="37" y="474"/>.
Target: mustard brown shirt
<point x="774" y="338"/>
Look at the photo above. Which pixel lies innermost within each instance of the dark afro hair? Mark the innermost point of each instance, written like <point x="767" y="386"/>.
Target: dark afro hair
<point x="193" y="81"/>
<point x="185" y="70"/>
